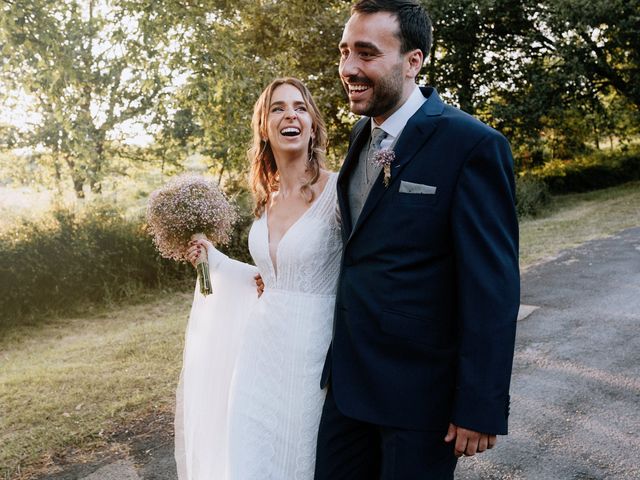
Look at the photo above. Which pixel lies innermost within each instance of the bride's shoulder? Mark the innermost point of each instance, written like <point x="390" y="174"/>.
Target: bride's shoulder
<point x="324" y="179"/>
<point x="327" y="175"/>
<point x="332" y="179"/>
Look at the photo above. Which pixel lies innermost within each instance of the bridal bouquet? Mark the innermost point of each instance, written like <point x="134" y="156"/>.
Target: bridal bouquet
<point x="189" y="207"/>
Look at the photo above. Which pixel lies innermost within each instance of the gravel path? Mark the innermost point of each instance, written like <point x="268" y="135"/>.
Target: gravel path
<point x="575" y="408"/>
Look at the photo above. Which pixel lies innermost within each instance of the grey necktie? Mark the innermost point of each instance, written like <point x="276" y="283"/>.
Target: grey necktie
<point x="377" y="136"/>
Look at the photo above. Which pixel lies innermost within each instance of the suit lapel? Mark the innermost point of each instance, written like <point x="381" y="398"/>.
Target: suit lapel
<point x="415" y="134"/>
<point x="359" y="137"/>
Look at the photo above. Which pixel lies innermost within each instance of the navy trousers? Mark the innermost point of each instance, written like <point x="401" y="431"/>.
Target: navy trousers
<point x="350" y="449"/>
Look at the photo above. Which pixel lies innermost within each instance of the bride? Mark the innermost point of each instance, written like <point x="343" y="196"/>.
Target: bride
<point x="249" y="401"/>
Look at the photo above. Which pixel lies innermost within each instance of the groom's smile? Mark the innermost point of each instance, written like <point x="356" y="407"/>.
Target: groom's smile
<point x="355" y="89"/>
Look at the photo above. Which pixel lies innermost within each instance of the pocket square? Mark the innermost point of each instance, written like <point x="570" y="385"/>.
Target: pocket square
<point x="409" y="187"/>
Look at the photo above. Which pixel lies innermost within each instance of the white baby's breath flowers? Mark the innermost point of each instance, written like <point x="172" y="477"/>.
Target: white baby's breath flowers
<point x="187" y="205"/>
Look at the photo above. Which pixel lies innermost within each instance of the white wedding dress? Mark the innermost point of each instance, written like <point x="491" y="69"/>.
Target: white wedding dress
<point x="249" y="399"/>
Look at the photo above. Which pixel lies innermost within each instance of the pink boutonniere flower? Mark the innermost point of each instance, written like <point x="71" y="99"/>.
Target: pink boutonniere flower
<point x="384" y="158"/>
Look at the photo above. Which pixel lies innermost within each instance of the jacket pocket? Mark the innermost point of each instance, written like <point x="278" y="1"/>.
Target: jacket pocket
<point x="409" y="327"/>
<point x="416" y="199"/>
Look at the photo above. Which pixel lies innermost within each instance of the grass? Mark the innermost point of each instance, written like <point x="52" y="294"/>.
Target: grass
<point x="73" y="382"/>
<point x="577" y="218"/>
<point x="17" y="204"/>
<point x="70" y="383"/>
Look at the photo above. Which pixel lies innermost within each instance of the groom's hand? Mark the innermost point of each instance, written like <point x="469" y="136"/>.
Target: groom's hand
<point x="469" y="442"/>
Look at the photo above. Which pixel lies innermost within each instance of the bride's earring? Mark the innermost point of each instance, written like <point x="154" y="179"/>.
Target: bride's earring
<point x="311" y="148"/>
<point x="265" y="142"/>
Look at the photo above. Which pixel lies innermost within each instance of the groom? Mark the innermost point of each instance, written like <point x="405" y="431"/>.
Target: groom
<point x="419" y="366"/>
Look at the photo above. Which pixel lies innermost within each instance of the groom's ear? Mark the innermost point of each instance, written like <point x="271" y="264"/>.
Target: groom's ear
<point x="414" y="60"/>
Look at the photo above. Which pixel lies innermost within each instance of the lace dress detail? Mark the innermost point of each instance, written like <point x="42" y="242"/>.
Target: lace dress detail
<point x="308" y="255"/>
<point x="276" y="400"/>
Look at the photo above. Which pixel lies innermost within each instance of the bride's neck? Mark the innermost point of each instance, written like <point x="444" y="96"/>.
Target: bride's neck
<point x="292" y="175"/>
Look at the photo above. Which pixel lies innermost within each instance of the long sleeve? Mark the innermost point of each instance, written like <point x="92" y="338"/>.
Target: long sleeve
<point x="215" y="330"/>
<point x="486" y="242"/>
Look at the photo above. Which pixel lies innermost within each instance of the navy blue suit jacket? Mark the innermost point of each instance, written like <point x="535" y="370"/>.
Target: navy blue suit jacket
<point x="429" y="287"/>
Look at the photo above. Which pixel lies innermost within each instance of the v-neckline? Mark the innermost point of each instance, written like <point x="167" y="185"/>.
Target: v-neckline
<point x="274" y="265"/>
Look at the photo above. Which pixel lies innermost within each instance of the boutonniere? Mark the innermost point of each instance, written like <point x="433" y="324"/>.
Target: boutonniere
<point x="384" y="158"/>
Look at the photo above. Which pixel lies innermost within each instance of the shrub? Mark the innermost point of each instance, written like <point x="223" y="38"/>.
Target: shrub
<point x="237" y="247"/>
<point x="69" y="259"/>
<point x="532" y="196"/>
<point x="590" y="173"/>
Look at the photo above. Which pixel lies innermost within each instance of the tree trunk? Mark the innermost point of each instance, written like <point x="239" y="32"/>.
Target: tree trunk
<point x="97" y="162"/>
<point x="78" y="183"/>
<point x="77" y="178"/>
<point x="466" y="91"/>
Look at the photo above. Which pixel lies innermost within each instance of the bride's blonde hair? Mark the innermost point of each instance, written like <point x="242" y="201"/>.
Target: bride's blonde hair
<point x="264" y="178"/>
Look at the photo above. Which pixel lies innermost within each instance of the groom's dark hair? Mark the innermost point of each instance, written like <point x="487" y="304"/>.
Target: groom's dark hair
<point x="415" y="24"/>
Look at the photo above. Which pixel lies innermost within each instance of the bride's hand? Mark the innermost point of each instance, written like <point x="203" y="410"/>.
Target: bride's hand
<point x="196" y="247"/>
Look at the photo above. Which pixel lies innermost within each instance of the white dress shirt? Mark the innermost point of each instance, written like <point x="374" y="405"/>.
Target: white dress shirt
<point x="394" y="125"/>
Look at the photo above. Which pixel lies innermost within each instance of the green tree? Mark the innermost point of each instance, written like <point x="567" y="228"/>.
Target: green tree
<point x="229" y="51"/>
<point x="576" y="85"/>
<point x="544" y="73"/>
<point x="478" y="46"/>
<point x="88" y="72"/>
<point x="599" y="39"/>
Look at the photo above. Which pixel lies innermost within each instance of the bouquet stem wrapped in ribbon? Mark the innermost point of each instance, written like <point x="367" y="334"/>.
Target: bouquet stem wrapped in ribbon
<point x="189" y="207"/>
<point x="202" y="267"/>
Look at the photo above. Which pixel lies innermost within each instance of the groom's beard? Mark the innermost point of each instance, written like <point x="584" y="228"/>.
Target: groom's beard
<point x="387" y="93"/>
